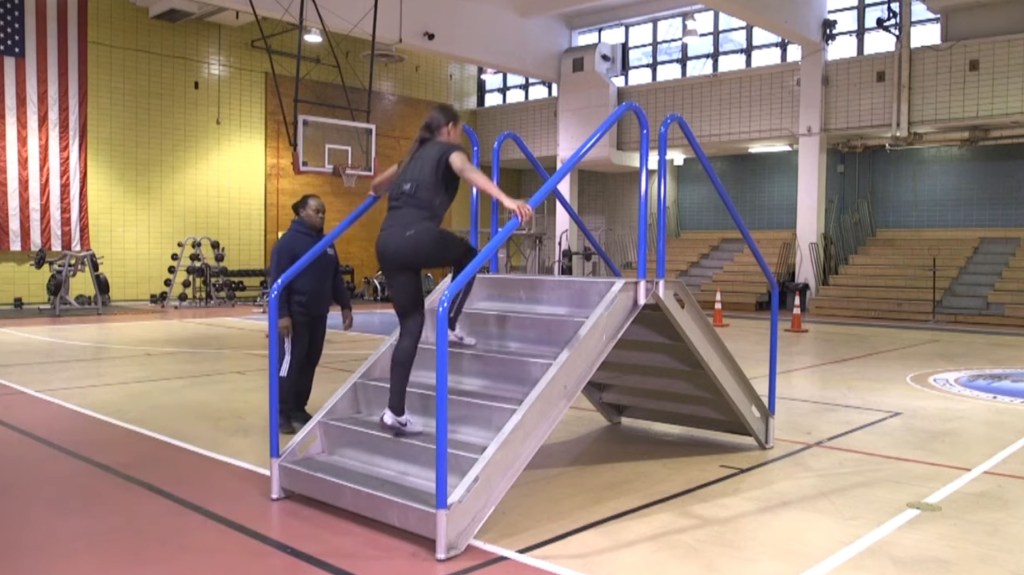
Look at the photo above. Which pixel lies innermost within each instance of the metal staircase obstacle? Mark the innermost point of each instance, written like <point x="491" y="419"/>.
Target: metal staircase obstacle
<point x="634" y="350"/>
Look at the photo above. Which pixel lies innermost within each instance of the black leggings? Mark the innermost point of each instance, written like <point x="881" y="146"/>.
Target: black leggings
<point x="403" y="254"/>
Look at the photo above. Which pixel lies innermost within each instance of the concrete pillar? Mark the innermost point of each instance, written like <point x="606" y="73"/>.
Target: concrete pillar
<point x="569" y="187"/>
<point x="810" y="210"/>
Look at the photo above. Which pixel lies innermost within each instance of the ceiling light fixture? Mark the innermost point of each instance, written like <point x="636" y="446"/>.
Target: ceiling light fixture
<point x="769" y="149"/>
<point x="313" y="36"/>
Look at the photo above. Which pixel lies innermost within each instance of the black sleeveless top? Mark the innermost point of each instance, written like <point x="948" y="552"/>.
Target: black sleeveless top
<point x="424" y="188"/>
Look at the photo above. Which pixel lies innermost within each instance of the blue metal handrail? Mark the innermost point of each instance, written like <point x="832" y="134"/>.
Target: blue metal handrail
<point x="498" y="239"/>
<point x="496" y="174"/>
<point x="666" y="125"/>
<point x="273" y="308"/>
<point x="474" y="194"/>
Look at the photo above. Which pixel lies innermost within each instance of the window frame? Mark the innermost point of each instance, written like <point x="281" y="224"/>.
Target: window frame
<point x="861" y="7"/>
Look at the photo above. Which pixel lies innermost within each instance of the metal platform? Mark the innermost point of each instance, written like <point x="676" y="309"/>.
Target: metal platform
<point x="541" y="341"/>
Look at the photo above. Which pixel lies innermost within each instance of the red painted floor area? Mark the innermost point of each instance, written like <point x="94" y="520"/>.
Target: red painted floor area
<point x="79" y="495"/>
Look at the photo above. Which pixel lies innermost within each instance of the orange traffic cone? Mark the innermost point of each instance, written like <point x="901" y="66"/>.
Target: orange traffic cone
<point x="796" y="324"/>
<point x="719" y="321"/>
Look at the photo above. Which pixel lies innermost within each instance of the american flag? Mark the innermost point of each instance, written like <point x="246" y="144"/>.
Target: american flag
<point x="42" y="138"/>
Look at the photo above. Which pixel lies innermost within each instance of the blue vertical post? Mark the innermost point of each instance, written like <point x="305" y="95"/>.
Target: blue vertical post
<point x="495" y="207"/>
<point x="773" y="284"/>
<point x="474" y="194"/>
<point x="662" y="198"/>
<point x="645" y="152"/>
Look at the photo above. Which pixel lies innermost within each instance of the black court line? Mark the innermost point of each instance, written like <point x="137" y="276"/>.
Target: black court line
<point x="834" y="404"/>
<point x="78" y="359"/>
<point x="689" y="491"/>
<point x="189" y="505"/>
<point x="155" y="380"/>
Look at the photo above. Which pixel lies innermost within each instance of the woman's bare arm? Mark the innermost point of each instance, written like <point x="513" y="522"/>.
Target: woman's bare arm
<point x="381" y="181"/>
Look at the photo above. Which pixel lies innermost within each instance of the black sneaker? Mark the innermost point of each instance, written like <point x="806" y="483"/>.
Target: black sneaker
<point x="301" y="418"/>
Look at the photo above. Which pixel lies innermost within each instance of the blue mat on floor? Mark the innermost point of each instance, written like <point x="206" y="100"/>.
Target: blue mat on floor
<point x="382" y="322"/>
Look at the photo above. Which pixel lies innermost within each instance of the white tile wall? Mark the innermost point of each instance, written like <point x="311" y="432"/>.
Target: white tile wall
<point x="854" y="98"/>
<point x="535" y="122"/>
<point x="943" y="89"/>
<point x="762" y="103"/>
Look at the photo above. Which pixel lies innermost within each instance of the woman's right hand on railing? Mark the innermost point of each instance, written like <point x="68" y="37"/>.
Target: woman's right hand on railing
<point x="284" y="325"/>
<point x="521" y="209"/>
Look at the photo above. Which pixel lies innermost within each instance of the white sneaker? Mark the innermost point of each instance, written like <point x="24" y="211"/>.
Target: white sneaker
<point x="457" y="336"/>
<point x="400" y="425"/>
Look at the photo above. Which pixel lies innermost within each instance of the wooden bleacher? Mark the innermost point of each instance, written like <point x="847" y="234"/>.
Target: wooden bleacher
<point x="891" y="277"/>
<point x="1009" y="290"/>
<point x="684" y="251"/>
<point x="742" y="282"/>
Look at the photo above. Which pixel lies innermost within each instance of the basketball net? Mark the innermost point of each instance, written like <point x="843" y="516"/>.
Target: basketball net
<point x="347" y="173"/>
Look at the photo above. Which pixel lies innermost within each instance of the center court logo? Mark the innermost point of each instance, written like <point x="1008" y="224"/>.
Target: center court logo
<point x="1004" y="385"/>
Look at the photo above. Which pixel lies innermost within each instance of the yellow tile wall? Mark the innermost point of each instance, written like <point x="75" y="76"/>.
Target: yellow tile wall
<point x="161" y="167"/>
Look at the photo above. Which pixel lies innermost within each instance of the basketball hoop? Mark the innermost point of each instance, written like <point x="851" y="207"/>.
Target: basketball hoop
<point x="348" y="175"/>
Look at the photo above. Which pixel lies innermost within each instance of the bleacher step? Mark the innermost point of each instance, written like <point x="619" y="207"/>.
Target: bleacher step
<point x="965" y="302"/>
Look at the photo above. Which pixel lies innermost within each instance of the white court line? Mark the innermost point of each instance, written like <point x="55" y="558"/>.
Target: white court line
<point x="524" y="559"/>
<point x="507" y="553"/>
<point x="130" y="427"/>
<point x="162" y="349"/>
<point x="886" y="529"/>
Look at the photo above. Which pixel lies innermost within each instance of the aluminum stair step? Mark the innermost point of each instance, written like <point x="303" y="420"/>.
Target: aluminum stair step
<point x="465" y="388"/>
<point x="515" y="333"/>
<point x="508" y="377"/>
<point x="459" y="441"/>
<point x="538" y="295"/>
<point x="377" y="452"/>
<point x="472" y="420"/>
<point x="319" y="472"/>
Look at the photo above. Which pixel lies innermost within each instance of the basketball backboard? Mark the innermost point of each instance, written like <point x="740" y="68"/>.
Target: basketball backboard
<point x="327" y="142"/>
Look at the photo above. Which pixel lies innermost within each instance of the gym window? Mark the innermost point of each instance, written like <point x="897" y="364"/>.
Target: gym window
<point x="495" y="88"/>
<point x="688" y="45"/>
<point x="857" y="32"/>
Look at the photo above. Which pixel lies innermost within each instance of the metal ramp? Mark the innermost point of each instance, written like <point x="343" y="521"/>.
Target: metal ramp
<point x="541" y="342"/>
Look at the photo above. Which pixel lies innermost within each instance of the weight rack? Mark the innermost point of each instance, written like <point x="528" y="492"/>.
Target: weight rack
<point x="202" y="272"/>
<point x="63" y="268"/>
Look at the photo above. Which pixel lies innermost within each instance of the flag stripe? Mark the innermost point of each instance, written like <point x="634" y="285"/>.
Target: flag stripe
<point x="5" y="238"/>
<point x="43" y="100"/>
<point x="73" y="126"/>
<point x="24" y="226"/>
<point x="65" y="140"/>
<point x="53" y="114"/>
<point x="11" y="154"/>
<point x="32" y="129"/>
<point x="81" y="46"/>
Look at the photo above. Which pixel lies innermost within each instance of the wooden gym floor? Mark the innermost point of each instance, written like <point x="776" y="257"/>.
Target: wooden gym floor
<point x="137" y="444"/>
